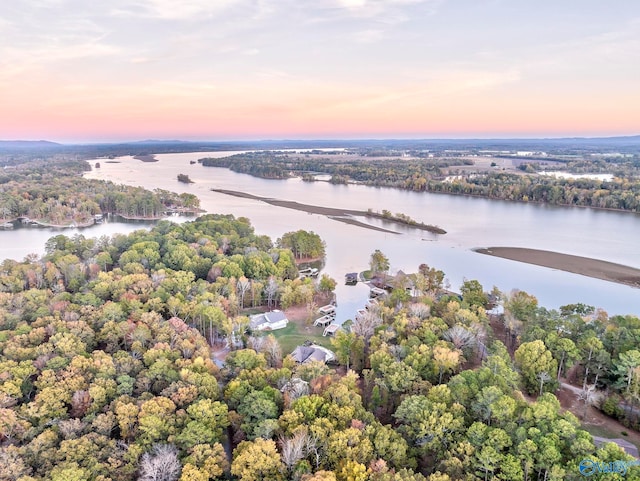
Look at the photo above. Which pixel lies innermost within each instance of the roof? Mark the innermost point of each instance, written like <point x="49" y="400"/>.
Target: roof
<point x="275" y="316"/>
<point x="302" y="354"/>
<point x="331" y="329"/>
<point x="266" y="318"/>
<point x="327" y="308"/>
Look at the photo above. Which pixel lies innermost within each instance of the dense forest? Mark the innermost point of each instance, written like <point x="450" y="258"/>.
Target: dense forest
<point x="303" y="244"/>
<point x="615" y="194"/>
<point x="106" y="371"/>
<point x="375" y="171"/>
<point x="54" y="193"/>
<point x="430" y="175"/>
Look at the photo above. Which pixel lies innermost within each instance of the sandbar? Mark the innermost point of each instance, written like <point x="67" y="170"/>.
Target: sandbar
<point x="585" y="266"/>
<point x="341" y="215"/>
<point x="352" y="221"/>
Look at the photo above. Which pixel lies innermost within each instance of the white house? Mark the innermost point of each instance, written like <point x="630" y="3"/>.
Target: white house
<point x="268" y="321"/>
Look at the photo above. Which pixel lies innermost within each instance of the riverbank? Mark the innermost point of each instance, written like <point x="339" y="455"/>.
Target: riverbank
<point x="42" y="223"/>
<point x="342" y="215"/>
<point x="72" y="224"/>
<point x="585" y="266"/>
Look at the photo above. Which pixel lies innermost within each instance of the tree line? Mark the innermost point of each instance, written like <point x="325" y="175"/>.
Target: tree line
<point x="55" y="193"/>
<point x="430" y="175"/>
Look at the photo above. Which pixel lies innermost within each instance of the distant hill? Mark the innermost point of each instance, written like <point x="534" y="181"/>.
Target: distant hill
<point x="625" y="144"/>
<point x="562" y="143"/>
<point x="27" y="144"/>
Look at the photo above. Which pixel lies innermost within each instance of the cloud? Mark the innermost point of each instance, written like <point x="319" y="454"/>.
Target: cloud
<point x="46" y="49"/>
<point x="368" y="36"/>
<point x="351" y="3"/>
<point x="170" y="10"/>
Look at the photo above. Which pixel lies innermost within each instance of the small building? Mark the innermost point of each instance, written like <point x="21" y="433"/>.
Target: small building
<point x="399" y="281"/>
<point x="295" y="388"/>
<point x="328" y="309"/>
<point x="313" y="352"/>
<point x="268" y="321"/>
<point x="376" y="292"/>
<point x="308" y="272"/>
<point x="324" y="320"/>
<point x="496" y="310"/>
<point x="331" y="329"/>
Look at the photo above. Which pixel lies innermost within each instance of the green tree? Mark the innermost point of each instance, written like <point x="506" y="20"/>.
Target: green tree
<point x="473" y="293"/>
<point x="257" y="460"/>
<point x="207" y="420"/>
<point x="431" y="426"/>
<point x="564" y="351"/>
<point x="533" y="359"/>
<point x="326" y="284"/>
<point x="625" y="367"/>
<point x="303" y="244"/>
<point x="348" y="347"/>
<point x="378" y="262"/>
<point x="589" y="347"/>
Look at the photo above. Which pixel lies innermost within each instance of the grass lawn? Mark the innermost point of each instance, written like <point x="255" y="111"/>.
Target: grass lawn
<point x="295" y="334"/>
<point x="250" y="311"/>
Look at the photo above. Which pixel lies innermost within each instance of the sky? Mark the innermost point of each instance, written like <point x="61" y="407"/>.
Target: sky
<point x="118" y="70"/>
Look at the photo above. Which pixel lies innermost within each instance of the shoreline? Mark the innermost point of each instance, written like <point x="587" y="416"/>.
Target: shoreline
<point x="341" y="215"/>
<point x="488" y="197"/>
<point x="584" y="266"/>
<point x="90" y="223"/>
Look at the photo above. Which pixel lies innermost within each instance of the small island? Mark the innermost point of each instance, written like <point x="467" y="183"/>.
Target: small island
<point x="146" y="157"/>
<point x="400" y="218"/>
<point x="184" y="178"/>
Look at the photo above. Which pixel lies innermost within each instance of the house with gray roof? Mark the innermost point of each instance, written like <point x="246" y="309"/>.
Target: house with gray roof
<point x="312" y="352"/>
<point x="268" y="321"/>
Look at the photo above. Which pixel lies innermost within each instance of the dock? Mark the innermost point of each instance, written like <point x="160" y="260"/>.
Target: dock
<point x="331" y="329"/>
<point x="324" y="320"/>
<point x="371" y="303"/>
<point x="328" y="309"/>
<point x="376" y="292"/>
<point x="351" y="278"/>
<point x="308" y="272"/>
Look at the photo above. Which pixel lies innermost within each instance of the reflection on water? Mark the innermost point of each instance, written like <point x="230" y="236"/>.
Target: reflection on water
<point x="469" y="222"/>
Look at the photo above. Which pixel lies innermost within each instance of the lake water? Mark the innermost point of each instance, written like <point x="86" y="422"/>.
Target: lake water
<point x="469" y="222"/>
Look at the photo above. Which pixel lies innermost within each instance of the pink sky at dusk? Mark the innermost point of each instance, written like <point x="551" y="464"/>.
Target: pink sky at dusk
<point x="340" y="69"/>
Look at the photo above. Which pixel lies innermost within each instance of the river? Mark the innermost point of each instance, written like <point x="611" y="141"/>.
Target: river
<point x="469" y="222"/>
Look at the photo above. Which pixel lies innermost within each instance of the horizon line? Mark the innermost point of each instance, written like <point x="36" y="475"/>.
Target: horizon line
<point x="322" y="139"/>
